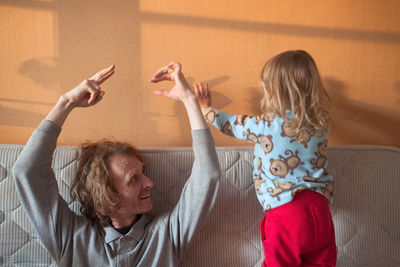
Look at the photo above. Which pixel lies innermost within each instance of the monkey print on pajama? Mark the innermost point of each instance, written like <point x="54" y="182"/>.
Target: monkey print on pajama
<point x="267" y="207"/>
<point x="287" y="159"/>
<point x="299" y="189"/>
<point x="241" y="120"/>
<point x="279" y="188"/>
<point x="265" y="142"/>
<point x="319" y="162"/>
<point x="289" y="130"/>
<point x="307" y="178"/>
<point x="283" y="166"/>
<point x="251" y="137"/>
<point x="264" y="118"/>
<point x="259" y="180"/>
<point x="269" y="117"/>
<point x="227" y="129"/>
<point x="302" y="137"/>
<point x="327" y="190"/>
<point x="211" y="115"/>
<point x="257" y="184"/>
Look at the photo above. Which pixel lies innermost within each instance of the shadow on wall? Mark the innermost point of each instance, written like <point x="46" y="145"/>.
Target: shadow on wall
<point x="397" y="89"/>
<point x="45" y="72"/>
<point x="280" y="29"/>
<point x="105" y="32"/>
<point x="218" y="100"/>
<point x="25" y="118"/>
<point x="101" y="33"/>
<point x="361" y="123"/>
<point x="255" y="94"/>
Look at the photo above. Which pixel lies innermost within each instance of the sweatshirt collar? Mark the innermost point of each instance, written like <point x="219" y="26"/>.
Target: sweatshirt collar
<point x="137" y="231"/>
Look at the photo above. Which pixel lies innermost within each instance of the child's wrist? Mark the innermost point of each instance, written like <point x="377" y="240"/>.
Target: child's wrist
<point x="205" y="110"/>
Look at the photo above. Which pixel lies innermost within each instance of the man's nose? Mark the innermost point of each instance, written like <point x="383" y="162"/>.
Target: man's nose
<point x="148" y="183"/>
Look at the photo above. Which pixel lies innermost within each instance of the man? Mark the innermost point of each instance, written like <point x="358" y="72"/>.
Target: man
<point x="119" y="234"/>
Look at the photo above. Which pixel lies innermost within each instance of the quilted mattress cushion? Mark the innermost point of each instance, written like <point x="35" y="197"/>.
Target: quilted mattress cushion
<point x="366" y="210"/>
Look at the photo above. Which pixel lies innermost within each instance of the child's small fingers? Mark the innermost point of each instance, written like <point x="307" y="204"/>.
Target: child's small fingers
<point x="205" y="90"/>
<point x="206" y="94"/>
<point x="200" y="90"/>
<point x="202" y="93"/>
<point x="196" y="90"/>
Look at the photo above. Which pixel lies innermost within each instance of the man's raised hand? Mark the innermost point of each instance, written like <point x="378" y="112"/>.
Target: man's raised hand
<point x="172" y="72"/>
<point x="88" y="92"/>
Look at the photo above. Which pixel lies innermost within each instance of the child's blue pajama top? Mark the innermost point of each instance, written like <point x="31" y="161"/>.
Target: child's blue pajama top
<point x="282" y="165"/>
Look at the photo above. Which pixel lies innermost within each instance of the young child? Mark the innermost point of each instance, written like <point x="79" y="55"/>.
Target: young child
<point x="290" y="152"/>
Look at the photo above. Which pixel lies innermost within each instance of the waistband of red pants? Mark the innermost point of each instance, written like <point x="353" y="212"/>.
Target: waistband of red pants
<point x="307" y="197"/>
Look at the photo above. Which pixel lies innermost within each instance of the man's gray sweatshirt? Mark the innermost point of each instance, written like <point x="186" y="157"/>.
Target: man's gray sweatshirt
<point x="74" y="240"/>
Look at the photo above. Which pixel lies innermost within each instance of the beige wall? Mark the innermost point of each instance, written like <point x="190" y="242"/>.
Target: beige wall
<point x="47" y="47"/>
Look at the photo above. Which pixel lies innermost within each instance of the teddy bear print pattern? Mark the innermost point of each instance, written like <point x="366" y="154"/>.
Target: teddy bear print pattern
<point x="285" y="162"/>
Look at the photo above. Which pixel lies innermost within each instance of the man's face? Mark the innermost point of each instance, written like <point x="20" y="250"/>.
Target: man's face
<point x="132" y="186"/>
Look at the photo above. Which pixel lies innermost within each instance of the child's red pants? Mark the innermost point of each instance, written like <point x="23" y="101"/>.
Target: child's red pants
<point x="299" y="233"/>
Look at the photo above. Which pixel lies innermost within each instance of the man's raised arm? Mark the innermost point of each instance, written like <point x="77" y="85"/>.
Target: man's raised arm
<point x="199" y="194"/>
<point x="34" y="178"/>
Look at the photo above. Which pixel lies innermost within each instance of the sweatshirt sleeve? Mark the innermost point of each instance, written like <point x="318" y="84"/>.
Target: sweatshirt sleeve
<point x="37" y="189"/>
<point x="199" y="193"/>
<point x="243" y="127"/>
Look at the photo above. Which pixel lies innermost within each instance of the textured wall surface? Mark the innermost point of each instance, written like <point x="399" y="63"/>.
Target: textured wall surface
<point x="49" y="46"/>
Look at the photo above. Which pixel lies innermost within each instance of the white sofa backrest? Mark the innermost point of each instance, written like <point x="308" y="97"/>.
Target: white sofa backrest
<point x="366" y="209"/>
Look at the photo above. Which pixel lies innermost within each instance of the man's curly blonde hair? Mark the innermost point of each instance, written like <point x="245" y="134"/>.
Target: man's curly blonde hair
<point x="92" y="184"/>
<point x="291" y="81"/>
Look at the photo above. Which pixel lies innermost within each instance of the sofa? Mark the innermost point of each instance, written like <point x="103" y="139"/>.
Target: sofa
<point x="366" y="209"/>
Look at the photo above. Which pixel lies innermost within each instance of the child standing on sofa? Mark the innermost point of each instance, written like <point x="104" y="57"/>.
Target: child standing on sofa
<point x="290" y="152"/>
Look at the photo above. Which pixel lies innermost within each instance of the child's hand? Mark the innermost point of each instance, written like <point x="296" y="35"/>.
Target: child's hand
<point x="203" y="94"/>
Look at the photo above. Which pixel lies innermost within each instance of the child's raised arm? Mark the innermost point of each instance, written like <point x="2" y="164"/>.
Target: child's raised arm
<point x="242" y="127"/>
<point x="203" y="95"/>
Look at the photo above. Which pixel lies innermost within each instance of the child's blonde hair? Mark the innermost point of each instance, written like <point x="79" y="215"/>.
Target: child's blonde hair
<point x="291" y="81"/>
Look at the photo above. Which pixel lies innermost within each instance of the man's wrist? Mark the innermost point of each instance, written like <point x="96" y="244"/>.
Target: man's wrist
<point x="60" y="111"/>
<point x="65" y="103"/>
<point x="189" y="99"/>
